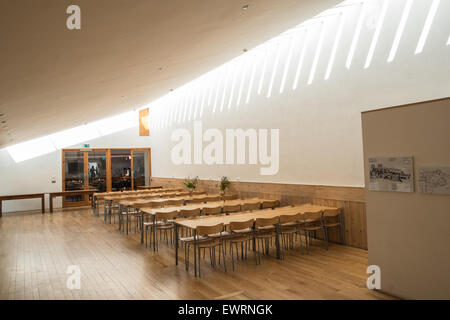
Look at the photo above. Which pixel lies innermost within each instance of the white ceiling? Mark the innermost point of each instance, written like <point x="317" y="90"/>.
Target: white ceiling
<point x="126" y="54"/>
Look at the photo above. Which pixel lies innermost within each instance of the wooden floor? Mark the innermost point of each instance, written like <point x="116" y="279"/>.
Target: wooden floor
<point x="36" y="249"/>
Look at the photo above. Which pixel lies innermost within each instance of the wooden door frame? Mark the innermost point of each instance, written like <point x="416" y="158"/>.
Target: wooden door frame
<point x="108" y="169"/>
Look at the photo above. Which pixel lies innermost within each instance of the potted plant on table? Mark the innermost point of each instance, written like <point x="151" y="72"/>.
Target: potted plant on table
<point x="223" y="185"/>
<point x="191" y="184"/>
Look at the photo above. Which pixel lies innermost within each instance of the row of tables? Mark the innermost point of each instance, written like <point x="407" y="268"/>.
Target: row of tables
<point x="138" y="199"/>
<point x="240" y="217"/>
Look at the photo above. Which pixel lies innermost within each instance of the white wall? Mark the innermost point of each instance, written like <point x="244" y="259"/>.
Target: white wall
<point x="320" y="125"/>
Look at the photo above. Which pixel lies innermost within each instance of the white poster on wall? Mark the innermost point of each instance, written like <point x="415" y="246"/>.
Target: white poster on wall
<point x="434" y="180"/>
<point x="391" y="174"/>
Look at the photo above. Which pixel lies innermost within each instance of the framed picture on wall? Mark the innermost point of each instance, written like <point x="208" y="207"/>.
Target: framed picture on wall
<point x="434" y="180"/>
<point x="391" y="174"/>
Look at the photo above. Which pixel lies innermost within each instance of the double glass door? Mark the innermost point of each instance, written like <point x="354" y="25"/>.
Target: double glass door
<point x="103" y="170"/>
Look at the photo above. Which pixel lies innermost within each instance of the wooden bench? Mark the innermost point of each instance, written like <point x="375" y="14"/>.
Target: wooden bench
<point x="23" y="196"/>
<point x="71" y="193"/>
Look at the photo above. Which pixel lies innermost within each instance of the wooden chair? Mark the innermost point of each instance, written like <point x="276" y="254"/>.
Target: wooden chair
<point x="211" y="198"/>
<point x="288" y="228"/>
<point x="163" y="223"/>
<point x="251" y="206"/>
<point x="196" y="193"/>
<point x="230" y="197"/>
<point x="269" y="204"/>
<point x="231" y="208"/>
<point x="205" y="238"/>
<point x="212" y="210"/>
<point x="265" y="230"/>
<point x="332" y="218"/>
<point x="174" y="202"/>
<point x="310" y="222"/>
<point x="240" y="233"/>
<point x="188" y="213"/>
<point x="196" y="200"/>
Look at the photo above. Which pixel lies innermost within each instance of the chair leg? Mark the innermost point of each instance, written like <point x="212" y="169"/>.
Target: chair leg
<point x="199" y="262"/>
<point x="232" y="256"/>
<point x="325" y="233"/>
<point x="223" y="254"/>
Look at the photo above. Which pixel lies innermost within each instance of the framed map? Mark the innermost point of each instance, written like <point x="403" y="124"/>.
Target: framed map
<point x="435" y="180"/>
<point x="391" y="174"/>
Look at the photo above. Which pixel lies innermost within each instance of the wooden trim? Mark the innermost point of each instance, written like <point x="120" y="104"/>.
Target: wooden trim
<point x="406" y="105"/>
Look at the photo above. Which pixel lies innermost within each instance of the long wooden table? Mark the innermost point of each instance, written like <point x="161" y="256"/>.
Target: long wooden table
<point x="23" y="196"/>
<point x="153" y="211"/>
<point x="127" y="203"/>
<point x="101" y="195"/>
<point x="70" y="193"/>
<point x="109" y="198"/>
<point x="193" y="223"/>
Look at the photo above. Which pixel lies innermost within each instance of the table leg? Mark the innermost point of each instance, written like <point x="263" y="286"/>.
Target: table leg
<point x="277" y="241"/>
<point x="50" y="200"/>
<point x="43" y="203"/>
<point x="109" y="210"/>
<point x="195" y="253"/>
<point x="104" y="209"/>
<point x="154" y="232"/>
<point x="142" y="227"/>
<point x="1" y="213"/>
<point x="126" y="211"/>
<point x="176" y="244"/>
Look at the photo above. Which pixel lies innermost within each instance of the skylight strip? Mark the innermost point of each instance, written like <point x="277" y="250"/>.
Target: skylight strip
<point x="233" y="84"/>
<point x="244" y="74"/>
<point x="300" y="61"/>
<point x="427" y="26"/>
<point x="400" y="29"/>
<point x="355" y="36"/>
<point x="317" y="54"/>
<point x="225" y="85"/>
<point x="252" y="78"/>
<point x="221" y="76"/>
<point x="288" y="62"/>
<point x="335" y="45"/>
<point x="263" y="72"/>
<point x="274" y="72"/>
<point x="376" y="35"/>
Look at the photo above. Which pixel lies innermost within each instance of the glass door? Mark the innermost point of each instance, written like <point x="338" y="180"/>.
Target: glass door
<point x="141" y="172"/>
<point x="103" y="170"/>
<point x="97" y="170"/>
<point x="74" y="177"/>
<point x="120" y="169"/>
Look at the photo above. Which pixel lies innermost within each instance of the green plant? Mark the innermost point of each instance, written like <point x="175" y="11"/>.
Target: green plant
<point x="191" y="184"/>
<point x="224" y="184"/>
